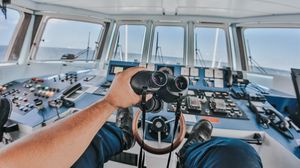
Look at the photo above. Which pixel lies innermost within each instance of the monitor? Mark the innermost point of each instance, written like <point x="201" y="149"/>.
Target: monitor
<point x="296" y="81"/>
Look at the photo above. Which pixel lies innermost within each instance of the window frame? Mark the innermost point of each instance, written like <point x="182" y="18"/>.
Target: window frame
<point x="246" y="58"/>
<point x="14" y="36"/>
<point x="182" y="24"/>
<point x="115" y="36"/>
<point x="222" y="26"/>
<point x="42" y="28"/>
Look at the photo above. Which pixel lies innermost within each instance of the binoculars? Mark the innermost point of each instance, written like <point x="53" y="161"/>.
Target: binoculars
<point x="164" y="87"/>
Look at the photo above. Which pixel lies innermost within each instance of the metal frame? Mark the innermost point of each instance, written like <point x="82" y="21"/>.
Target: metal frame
<point x="147" y="41"/>
<point x="115" y="35"/>
<point x="169" y="23"/>
<point x="244" y="53"/>
<point x="188" y="55"/>
<point x="224" y="27"/>
<point x="42" y="26"/>
<point x="108" y="43"/>
<point x="235" y="57"/>
<point x="14" y="36"/>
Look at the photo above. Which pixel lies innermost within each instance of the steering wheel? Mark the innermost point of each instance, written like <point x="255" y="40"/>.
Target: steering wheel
<point x="158" y="124"/>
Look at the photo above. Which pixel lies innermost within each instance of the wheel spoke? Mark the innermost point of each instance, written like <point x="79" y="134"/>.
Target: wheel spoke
<point x="159" y="138"/>
<point x="171" y="120"/>
<point x="149" y="122"/>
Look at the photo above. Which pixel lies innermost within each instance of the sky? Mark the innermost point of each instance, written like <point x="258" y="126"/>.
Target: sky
<point x="7" y="27"/>
<point x="70" y="34"/>
<point x="276" y="48"/>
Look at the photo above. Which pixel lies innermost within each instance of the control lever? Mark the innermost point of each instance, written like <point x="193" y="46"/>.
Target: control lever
<point x="72" y="89"/>
<point x="56" y="104"/>
<point x="280" y="122"/>
<point x="292" y="124"/>
<point x="41" y="109"/>
<point x="267" y="116"/>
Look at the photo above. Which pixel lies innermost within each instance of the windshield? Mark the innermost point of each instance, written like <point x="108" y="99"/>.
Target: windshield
<point x="168" y="45"/>
<point x="130" y="43"/>
<point x="63" y="39"/>
<point x="210" y="47"/>
<point x="7" y="29"/>
<point x="272" y="50"/>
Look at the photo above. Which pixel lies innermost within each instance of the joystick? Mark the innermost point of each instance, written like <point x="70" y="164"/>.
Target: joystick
<point x="56" y="104"/>
<point x="41" y="109"/>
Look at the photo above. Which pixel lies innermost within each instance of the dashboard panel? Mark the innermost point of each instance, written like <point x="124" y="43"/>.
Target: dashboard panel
<point x="211" y="95"/>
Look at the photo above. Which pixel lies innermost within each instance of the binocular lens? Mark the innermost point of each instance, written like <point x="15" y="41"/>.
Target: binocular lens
<point x="159" y="78"/>
<point x="154" y="105"/>
<point x="181" y="83"/>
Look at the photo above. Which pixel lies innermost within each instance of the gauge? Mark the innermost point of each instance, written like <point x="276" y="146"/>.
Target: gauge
<point x="166" y="70"/>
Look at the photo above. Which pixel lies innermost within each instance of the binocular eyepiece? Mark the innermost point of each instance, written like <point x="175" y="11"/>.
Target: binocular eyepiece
<point x="165" y="87"/>
<point x="154" y="105"/>
<point x="148" y="80"/>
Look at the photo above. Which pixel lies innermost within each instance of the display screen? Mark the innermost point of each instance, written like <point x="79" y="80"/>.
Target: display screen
<point x="296" y="81"/>
<point x="116" y="69"/>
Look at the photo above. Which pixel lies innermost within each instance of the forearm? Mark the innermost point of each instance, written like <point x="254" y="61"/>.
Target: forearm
<point x="59" y="145"/>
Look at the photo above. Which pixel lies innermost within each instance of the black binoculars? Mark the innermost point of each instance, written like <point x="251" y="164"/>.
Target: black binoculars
<point x="164" y="87"/>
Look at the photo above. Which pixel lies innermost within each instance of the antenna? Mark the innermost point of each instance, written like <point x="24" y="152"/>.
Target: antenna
<point x="253" y="62"/>
<point x="3" y="7"/>
<point x="196" y="49"/>
<point x="156" y="46"/>
<point x="158" y="50"/>
<point x="88" y="47"/>
<point x="198" y="53"/>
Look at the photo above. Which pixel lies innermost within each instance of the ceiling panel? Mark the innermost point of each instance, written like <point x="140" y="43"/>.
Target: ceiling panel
<point x="112" y="6"/>
<point x="224" y="8"/>
<point x="237" y="8"/>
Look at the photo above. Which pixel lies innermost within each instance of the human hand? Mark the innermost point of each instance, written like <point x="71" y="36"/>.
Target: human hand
<point x="121" y="94"/>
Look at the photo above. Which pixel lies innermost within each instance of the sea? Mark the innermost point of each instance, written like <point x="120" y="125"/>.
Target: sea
<point x="56" y="54"/>
<point x="2" y="52"/>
